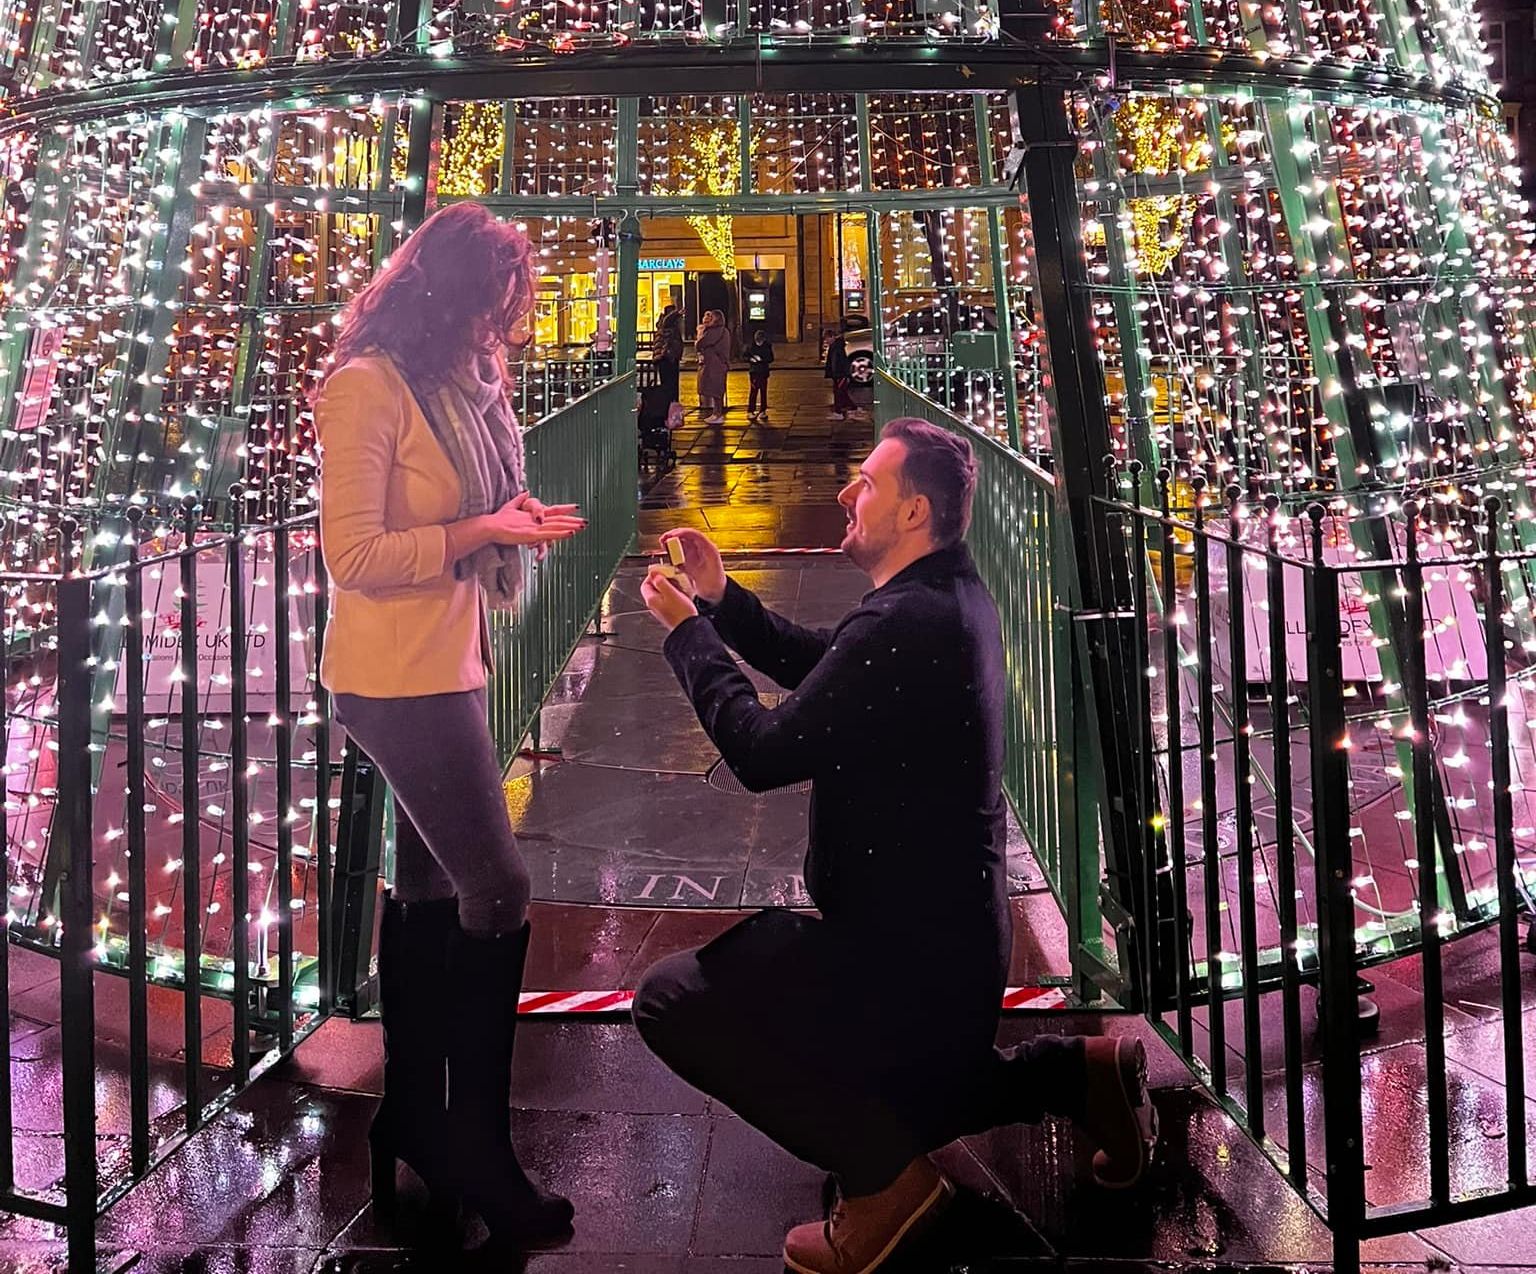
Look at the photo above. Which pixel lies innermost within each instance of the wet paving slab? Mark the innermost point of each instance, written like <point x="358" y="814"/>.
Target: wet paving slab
<point x="664" y="1179"/>
<point x="637" y="810"/>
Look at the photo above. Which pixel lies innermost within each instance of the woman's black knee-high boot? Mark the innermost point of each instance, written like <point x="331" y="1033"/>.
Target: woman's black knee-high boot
<point x="486" y="977"/>
<point x="411" y="1125"/>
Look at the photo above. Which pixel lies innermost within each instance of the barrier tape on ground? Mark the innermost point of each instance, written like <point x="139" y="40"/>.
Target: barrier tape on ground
<point x="762" y="552"/>
<point x="575" y="1003"/>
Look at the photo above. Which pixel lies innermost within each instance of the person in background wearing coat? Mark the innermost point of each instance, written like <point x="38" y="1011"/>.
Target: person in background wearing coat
<point x="759" y="367"/>
<point x="863" y="1039"/>
<point x="667" y="350"/>
<point x="424" y="518"/>
<point x="714" y="346"/>
<point x="839" y="370"/>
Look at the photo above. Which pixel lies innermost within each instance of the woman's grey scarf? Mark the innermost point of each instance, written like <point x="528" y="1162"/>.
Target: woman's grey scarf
<point x="472" y="419"/>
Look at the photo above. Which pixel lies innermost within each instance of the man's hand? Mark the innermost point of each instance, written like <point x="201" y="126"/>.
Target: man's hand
<point x="664" y="599"/>
<point x="701" y="562"/>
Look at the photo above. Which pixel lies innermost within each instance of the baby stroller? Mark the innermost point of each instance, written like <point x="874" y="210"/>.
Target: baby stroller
<point x="651" y="418"/>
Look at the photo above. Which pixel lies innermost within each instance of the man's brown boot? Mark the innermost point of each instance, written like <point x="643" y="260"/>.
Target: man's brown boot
<point x="865" y="1232"/>
<point x="1119" y="1117"/>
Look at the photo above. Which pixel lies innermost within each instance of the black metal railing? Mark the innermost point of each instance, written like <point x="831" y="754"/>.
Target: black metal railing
<point x="70" y="913"/>
<point x="1288" y="715"/>
<point x="170" y="713"/>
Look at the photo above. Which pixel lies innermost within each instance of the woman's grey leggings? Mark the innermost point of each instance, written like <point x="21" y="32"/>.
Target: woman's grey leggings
<point x="452" y="833"/>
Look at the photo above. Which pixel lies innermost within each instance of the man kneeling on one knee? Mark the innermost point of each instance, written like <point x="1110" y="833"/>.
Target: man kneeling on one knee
<point x="863" y="1039"/>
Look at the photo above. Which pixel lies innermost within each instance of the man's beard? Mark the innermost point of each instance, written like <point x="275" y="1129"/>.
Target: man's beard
<point x="864" y="550"/>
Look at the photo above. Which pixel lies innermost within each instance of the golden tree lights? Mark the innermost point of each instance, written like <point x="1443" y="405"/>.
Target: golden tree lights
<point x="691" y="147"/>
<point x="1158" y="135"/>
<point x="472" y="151"/>
<point x="714" y="168"/>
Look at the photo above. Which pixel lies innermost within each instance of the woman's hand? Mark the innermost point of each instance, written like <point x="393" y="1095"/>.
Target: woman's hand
<point x="540" y="510"/>
<point x="523" y="520"/>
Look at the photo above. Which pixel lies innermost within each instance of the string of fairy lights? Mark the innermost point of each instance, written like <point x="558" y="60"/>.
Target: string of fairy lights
<point x="1407" y="226"/>
<point x="170" y="282"/>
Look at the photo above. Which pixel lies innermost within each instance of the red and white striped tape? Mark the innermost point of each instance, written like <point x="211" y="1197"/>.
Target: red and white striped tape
<point x="562" y="1003"/>
<point x="809" y="551"/>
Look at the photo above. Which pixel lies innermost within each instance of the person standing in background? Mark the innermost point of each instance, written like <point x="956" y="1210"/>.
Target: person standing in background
<point x="839" y="370"/>
<point x="759" y="366"/>
<point x="714" y="346"/>
<point x="667" y="350"/>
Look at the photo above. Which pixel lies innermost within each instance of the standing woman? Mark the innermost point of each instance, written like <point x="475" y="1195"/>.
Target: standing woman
<point x="667" y="350"/>
<point x="714" y="346"/>
<point x="424" y="517"/>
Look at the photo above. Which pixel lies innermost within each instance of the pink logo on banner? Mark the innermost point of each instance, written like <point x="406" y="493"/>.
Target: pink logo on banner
<point x="42" y="372"/>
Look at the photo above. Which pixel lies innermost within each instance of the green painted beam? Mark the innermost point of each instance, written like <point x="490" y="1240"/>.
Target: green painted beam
<point x="788" y="68"/>
<point x="1135" y="357"/>
<point x="744" y="141"/>
<point x="875" y="283"/>
<point x="1301" y="145"/>
<point x="627" y="185"/>
<point x="998" y="254"/>
<point x="51" y="201"/>
<point x="133" y="413"/>
<point x="744" y="205"/>
<point x="421" y="165"/>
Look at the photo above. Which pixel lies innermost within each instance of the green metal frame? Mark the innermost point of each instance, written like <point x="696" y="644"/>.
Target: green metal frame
<point x="585" y="454"/>
<point x="998" y="258"/>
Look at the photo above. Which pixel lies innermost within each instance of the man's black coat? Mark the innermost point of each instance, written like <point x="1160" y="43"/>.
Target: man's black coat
<point x="896" y="717"/>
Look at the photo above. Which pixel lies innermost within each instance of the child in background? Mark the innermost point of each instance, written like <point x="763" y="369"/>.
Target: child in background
<point x="759" y="365"/>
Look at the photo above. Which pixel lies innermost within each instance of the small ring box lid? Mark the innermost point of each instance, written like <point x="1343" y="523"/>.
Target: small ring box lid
<point x="674" y="565"/>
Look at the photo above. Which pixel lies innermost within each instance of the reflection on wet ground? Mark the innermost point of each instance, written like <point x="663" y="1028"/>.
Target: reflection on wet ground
<point x="665" y="1180"/>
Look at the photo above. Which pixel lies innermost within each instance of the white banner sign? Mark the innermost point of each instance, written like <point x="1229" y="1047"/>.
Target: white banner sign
<point x="163" y="636"/>
<point x="41" y="371"/>
<point x="1454" y="646"/>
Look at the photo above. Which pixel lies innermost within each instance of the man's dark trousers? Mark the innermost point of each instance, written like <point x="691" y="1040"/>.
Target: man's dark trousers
<point x="807" y="1039"/>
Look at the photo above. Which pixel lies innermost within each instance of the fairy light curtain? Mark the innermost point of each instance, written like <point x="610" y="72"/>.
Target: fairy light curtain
<point x="1201" y="300"/>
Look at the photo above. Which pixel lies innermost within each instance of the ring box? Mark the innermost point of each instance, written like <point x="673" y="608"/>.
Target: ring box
<point x="673" y="567"/>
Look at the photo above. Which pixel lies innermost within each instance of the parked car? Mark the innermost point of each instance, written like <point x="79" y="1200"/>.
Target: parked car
<point x="920" y="331"/>
<point x="926" y="330"/>
<point x="859" y="340"/>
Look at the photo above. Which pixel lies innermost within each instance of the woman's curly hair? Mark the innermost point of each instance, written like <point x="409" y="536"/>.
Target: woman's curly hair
<point x="457" y="288"/>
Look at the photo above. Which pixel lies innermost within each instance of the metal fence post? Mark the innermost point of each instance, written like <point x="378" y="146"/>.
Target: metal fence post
<point x="192" y="904"/>
<point x="1342" y="1133"/>
<point x="76" y="993"/>
<point x="1210" y="841"/>
<point x="1173" y="830"/>
<point x="1425" y="790"/>
<point x="1504" y="852"/>
<point x="138" y="881"/>
<point x="240" y="793"/>
<point x="1285" y="849"/>
<point x="629" y="235"/>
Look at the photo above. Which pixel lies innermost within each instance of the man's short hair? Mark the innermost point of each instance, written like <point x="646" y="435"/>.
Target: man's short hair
<point x="940" y="465"/>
